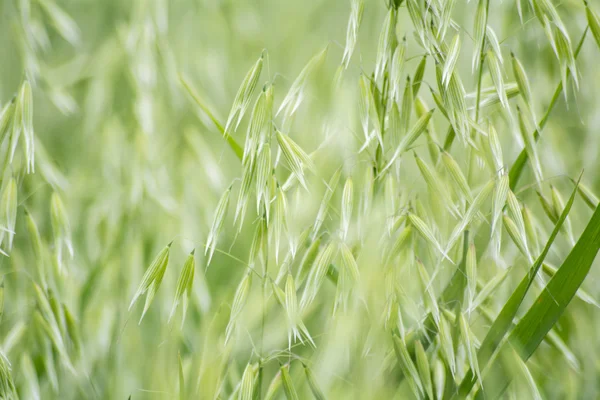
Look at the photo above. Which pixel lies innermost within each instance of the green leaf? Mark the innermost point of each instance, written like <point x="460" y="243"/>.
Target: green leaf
<point x="550" y="305"/>
<point x="504" y="320"/>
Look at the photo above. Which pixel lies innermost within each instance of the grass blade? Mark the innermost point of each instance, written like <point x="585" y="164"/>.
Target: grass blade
<point x="504" y="319"/>
<point x="549" y="306"/>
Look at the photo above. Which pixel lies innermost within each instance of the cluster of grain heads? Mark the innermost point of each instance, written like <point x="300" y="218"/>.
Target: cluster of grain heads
<point x="154" y="276"/>
<point x="439" y="360"/>
<point x="378" y="274"/>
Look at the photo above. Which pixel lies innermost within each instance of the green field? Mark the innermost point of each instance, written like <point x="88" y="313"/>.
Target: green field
<point x="276" y="199"/>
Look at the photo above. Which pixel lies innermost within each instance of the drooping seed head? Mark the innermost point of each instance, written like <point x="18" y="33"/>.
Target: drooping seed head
<point x="243" y="96"/>
<point x="152" y="278"/>
<point x="183" y="289"/>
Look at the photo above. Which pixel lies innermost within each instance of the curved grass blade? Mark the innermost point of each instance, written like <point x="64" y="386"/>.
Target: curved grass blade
<point x="504" y="319"/>
<point x="551" y="303"/>
<point x="237" y="149"/>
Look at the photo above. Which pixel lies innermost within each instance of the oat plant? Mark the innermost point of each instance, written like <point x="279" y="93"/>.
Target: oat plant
<point x="390" y="199"/>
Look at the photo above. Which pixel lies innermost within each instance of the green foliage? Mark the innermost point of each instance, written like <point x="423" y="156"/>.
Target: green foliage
<point x="392" y="188"/>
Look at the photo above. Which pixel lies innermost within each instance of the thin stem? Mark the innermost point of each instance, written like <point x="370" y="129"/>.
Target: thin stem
<point x="383" y="101"/>
<point x="264" y="291"/>
<point x="264" y="314"/>
<point x="237" y="149"/>
<point x="479" y="81"/>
